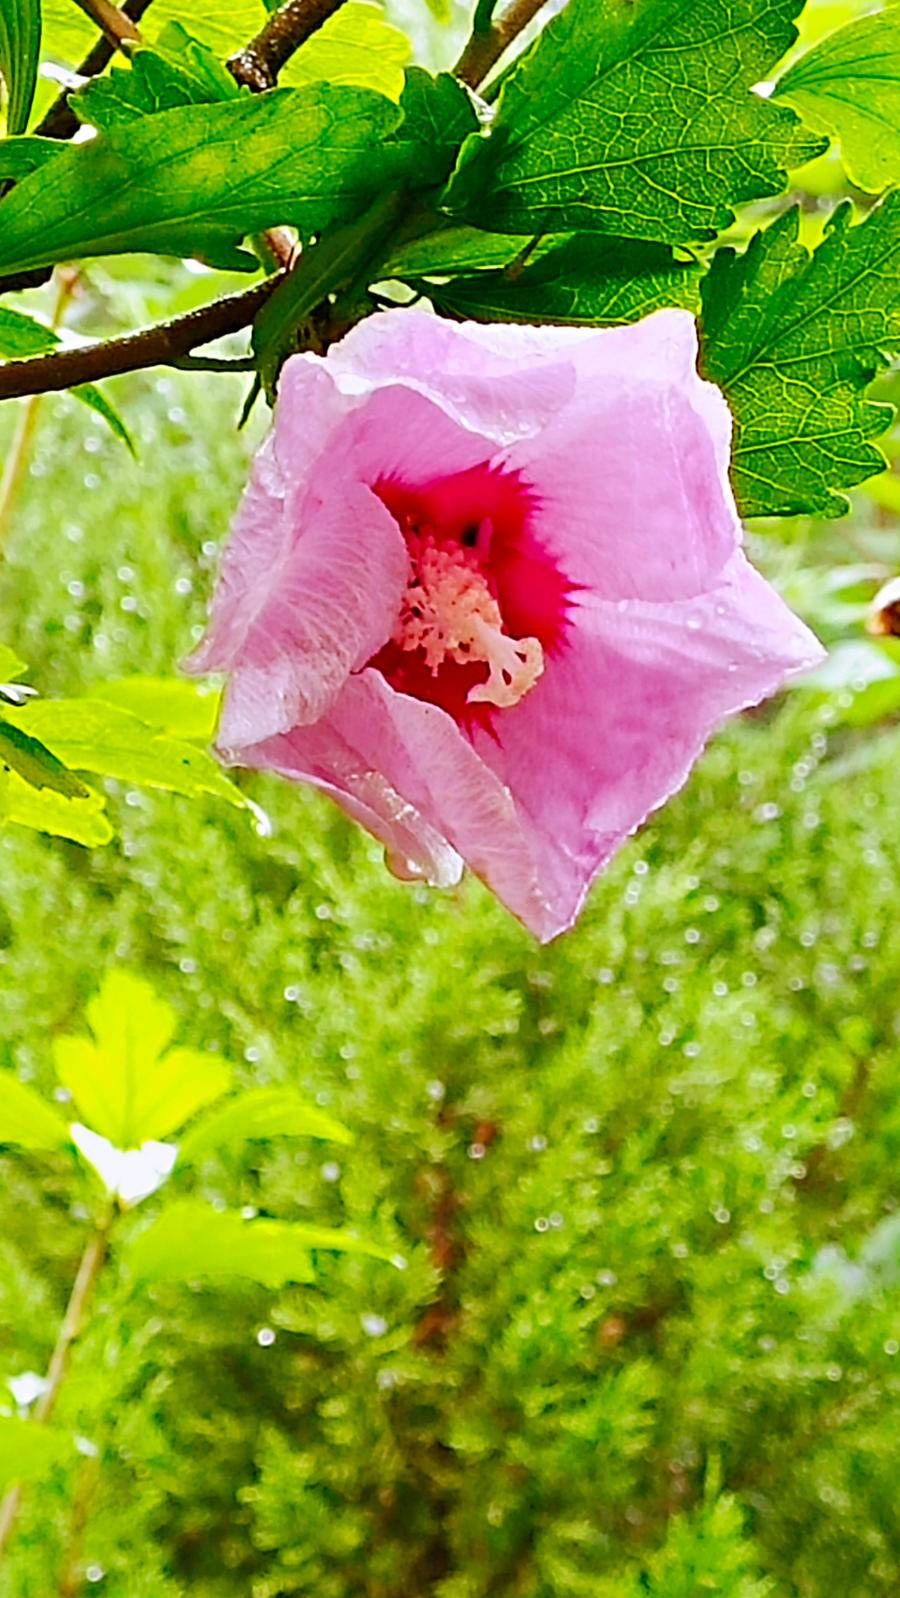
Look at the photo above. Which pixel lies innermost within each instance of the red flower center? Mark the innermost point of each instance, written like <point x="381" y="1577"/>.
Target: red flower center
<point x="484" y="604"/>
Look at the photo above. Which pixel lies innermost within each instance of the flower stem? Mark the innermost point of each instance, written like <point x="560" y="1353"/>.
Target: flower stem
<point x="73" y="1323"/>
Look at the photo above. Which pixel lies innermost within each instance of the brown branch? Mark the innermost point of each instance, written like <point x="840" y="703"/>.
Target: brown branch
<point x="483" y="50"/>
<point x="155" y="346"/>
<point x="258" y="64"/>
<point x="117" y="26"/>
<point x="60" y="121"/>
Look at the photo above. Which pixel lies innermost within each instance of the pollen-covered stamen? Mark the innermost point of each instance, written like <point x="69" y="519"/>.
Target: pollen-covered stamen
<point x="449" y="613"/>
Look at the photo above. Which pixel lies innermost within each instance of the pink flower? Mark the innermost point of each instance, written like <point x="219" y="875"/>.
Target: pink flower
<point x="486" y="590"/>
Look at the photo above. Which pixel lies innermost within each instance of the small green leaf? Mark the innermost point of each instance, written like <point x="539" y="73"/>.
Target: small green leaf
<point x="81" y="820"/>
<point x="127" y="1084"/>
<point x="356" y="45"/>
<point x="259" y="1113"/>
<point x="11" y="667"/>
<point x="21" y="335"/>
<point x="849" y="87"/>
<point x="28" y="1452"/>
<point x="93" y="397"/>
<point x="26" y="1119"/>
<point x="20" y="53"/>
<point x="35" y="763"/>
<point x="637" y="120"/>
<point x="188" y="710"/>
<point x="178" y="70"/>
<point x="198" y="179"/>
<point x="438" y="114"/>
<point x="88" y="735"/>
<point x="585" y="282"/>
<point x="191" y="1241"/>
<point x="793" y="340"/>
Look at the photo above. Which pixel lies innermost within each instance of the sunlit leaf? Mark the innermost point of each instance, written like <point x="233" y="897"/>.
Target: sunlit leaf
<point x="849" y="87"/>
<point x="26" y="1119"/>
<point x="28" y="1452"/>
<point x="68" y="34"/>
<point x="11" y="667"/>
<point x="191" y="1241"/>
<point x="259" y="1113"/>
<point x="35" y="763"/>
<point x="20" y="50"/>
<point x="355" y="46"/>
<point x="83" y="820"/>
<point x="172" y="705"/>
<point x="124" y="1085"/>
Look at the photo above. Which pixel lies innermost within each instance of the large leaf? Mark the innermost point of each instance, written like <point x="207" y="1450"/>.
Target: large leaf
<point x="259" y="1113"/>
<point x="198" y="179"/>
<point x="26" y="1119"/>
<point x="87" y="735"/>
<point x="635" y="117"/>
<point x="793" y="340"/>
<point x="28" y="1452"/>
<point x="849" y="87"/>
<point x="190" y="1240"/>
<point x="20" y="51"/>
<point x="585" y="282"/>
<point x="81" y="819"/>
<point x="127" y="1084"/>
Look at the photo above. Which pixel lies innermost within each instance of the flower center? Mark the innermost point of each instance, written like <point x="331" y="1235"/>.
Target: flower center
<point x="449" y="613"/>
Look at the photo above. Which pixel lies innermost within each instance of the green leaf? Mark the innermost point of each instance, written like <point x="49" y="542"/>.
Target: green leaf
<point x="793" y="340"/>
<point x="438" y="114"/>
<point x="354" y="46"/>
<point x="196" y="180"/>
<point x="96" y="400"/>
<point x="26" y="1119"/>
<point x="35" y="763"/>
<point x="26" y="154"/>
<point x="636" y="119"/>
<point x="128" y="1085"/>
<point x="446" y="250"/>
<point x="191" y="1241"/>
<point x="585" y="282"/>
<point x="88" y="735"/>
<point x="80" y="819"/>
<point x="20" y="52"/>
<point x="68" y="35"/>
<point x="21" y="335"/>
<point x="849" y="87"/>
<point x="28" y="1452"/>
<point x="172" y="705"/>
<point x="179" y="70"/>
<point x="259" y="1113"/>
<point x="11" y="667"/>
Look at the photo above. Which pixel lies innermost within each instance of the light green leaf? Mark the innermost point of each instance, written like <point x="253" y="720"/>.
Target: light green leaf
<point x="68" y="34"/>
<point x="849" y="88"/>
<point x="35" y="763"/>
<point x="28" y="1452"/>
<point x="355" y="46"/>
<point x="172" y="705"/>
<point x="20" y="52"/>
<point x="28" y="1120"/>
<point x="88" y="735"/>
<point x="80" y="819"/>
<point x="124" y="1083"/>
<point x="259" y="1113"/>
<point x="585" y="282"/>
<point x="794" y="340"/>
<point x="11" y="667"/>
<point x="637" y="120"/>
<point x="196" y="180"/>
<point x="22" y="335"/>
<point x="191" y="1241"/>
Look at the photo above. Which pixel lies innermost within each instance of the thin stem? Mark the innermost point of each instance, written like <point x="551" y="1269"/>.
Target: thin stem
<point x="259" y="62"/>
<point x="118" y="28"/>
<point x="154" y="346"/>
<point x="484" y="49"/>
<point x="60" y="121"/>
<point x="73" y="1324"/>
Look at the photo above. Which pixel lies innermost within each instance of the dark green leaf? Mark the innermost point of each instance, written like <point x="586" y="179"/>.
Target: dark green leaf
<point x="20" y="52"/>
<point x="585" y="282"/>
<point x="96" y="400"/>
<point x="438" y="114"/>
<point x="849" y="87"/>
<point x="179" y="70"/>
<point x="794" y="340"/>
<point x="19" y="157"/>
<point x="446" y="250"/>
<point x="35" y="763"/>
<point x="196" y="180"/>
<point x="21" y="335"/>
<point x="634" y="117"/>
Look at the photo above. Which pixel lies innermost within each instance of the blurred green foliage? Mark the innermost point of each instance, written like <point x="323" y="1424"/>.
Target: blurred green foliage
<point x="642" y="1179"/>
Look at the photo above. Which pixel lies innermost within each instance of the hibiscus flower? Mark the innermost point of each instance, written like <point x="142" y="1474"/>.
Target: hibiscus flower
<point x="486" y="589"/>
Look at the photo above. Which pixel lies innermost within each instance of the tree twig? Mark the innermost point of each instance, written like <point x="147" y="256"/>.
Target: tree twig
<point x="484" y="49"/>
<point x="259" y="62"/>
<point x="155" y="346"/>
<point x="115" y="24"/>
<point x="60" y="121"/>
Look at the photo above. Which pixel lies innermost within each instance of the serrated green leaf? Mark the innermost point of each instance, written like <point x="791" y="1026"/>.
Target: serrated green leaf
<point x="28" y="1452"/>
<point x="26" y="1119"/>
<point x="196" y="180"/>
<point x="849" y="88"/>
<point x="22" y="335"/>
<point x="178" y="70"/>
<point x="191" y="1241"/>
<point x="356" y="45"/>
<point x="585" y="282"/>
<point x="173" y="705"/>
<point x="127" y="1083"/>
<point x="88" y="735"/>
<point x="35" y="763"/>
<point x="794" y="340"/>
<point x="20" y="52"/>
<point x="635" y="117"/>
<point x="259" y="1113"/>
<point x="82" y="820"/>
